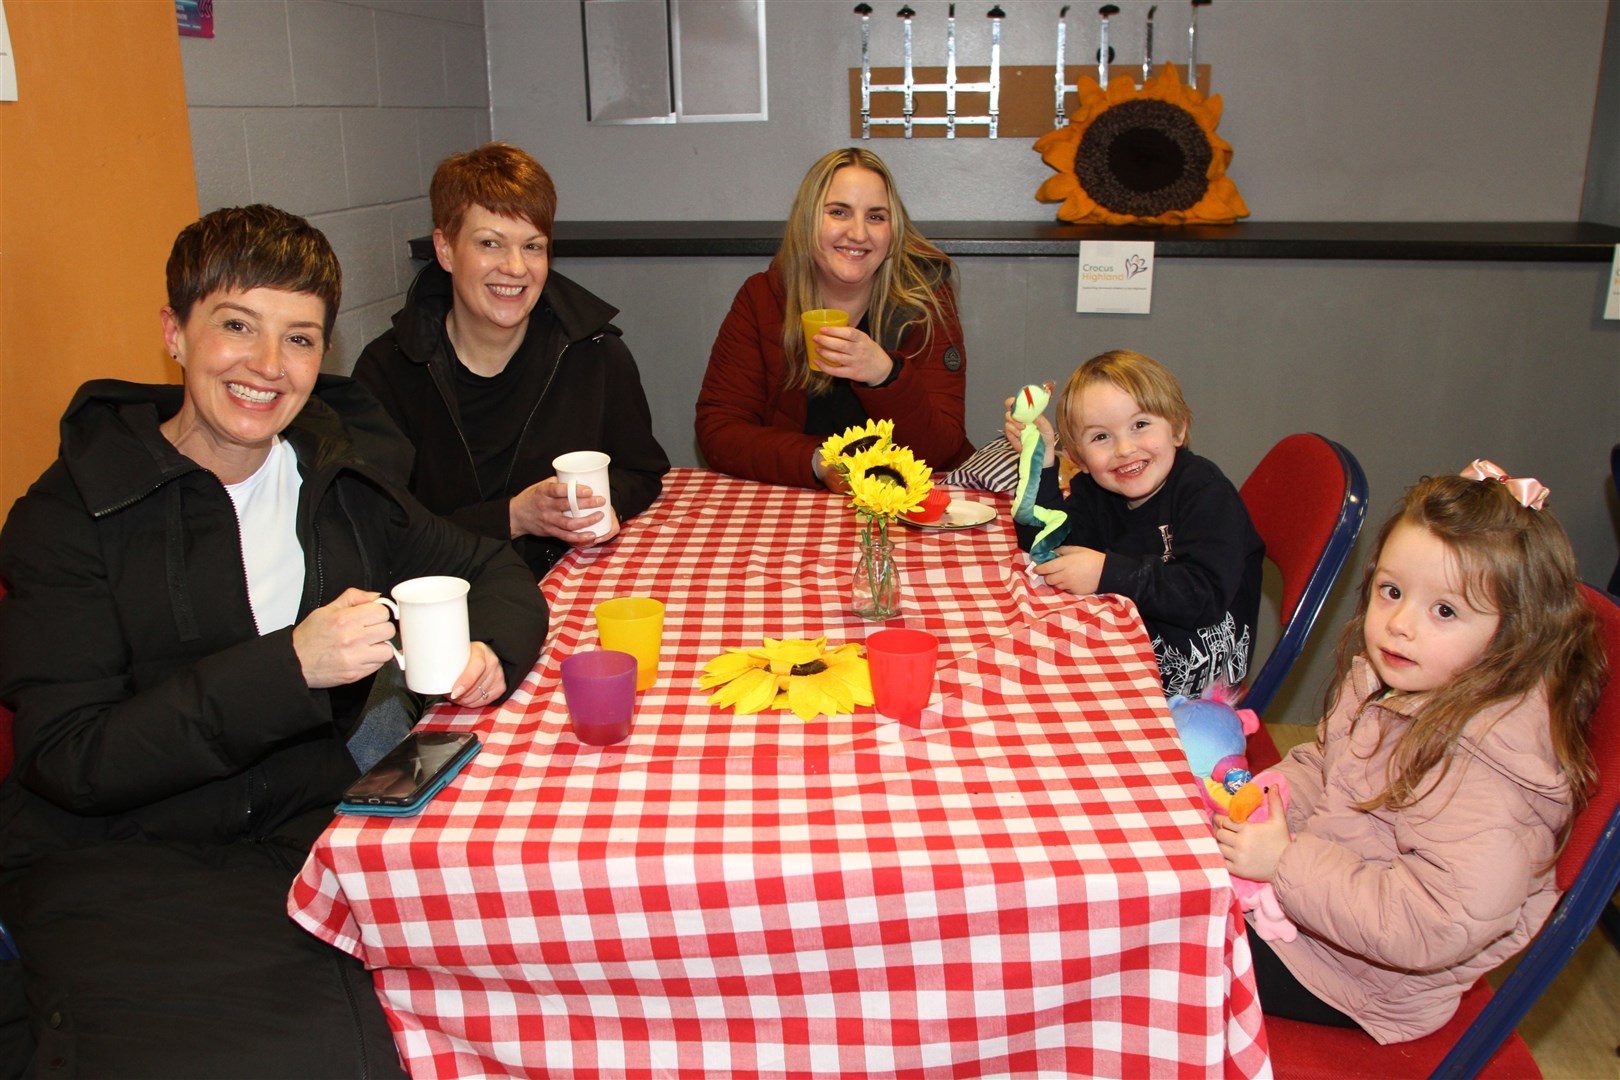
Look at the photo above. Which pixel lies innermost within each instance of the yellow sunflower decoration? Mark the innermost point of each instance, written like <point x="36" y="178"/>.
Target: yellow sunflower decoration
<point x="869" y="436"/>
<point x="804" y="676"/>
<point x="887" y="481"/>
<point x="884" y="481"/>
<point x="1146" y="156"/>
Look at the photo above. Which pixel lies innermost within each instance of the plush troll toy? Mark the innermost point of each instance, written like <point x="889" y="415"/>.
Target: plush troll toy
<point x="1029" y="403"/>
<point x="1212" y="736"/>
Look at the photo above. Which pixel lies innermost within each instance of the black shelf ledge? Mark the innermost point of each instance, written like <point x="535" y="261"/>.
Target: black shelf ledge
<point x="1497" y="241"/>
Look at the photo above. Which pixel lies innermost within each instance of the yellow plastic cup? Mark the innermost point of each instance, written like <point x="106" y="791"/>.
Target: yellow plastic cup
<point x="812" y="321"/>
<point x="633" y="624"/>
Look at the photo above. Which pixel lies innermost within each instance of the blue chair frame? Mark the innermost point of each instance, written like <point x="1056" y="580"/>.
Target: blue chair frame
<point x="1576" y="914"/>
<point x="1265" y="684"/>
<point x="1572" y="920"/>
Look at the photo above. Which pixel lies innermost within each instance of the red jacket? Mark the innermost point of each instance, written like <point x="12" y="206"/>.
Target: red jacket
<point x="750" y="424"/>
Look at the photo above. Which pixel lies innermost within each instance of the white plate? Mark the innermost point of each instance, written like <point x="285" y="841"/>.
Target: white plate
<point x="960" y="514"/>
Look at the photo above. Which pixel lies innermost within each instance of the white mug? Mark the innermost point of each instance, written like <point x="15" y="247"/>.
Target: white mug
<point x="590" y="468"/>
<point x="432" y="616"/>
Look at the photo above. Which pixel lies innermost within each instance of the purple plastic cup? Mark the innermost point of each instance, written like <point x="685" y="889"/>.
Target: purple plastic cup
<point x="902" y="665"/>
<point x="600" y="689"/>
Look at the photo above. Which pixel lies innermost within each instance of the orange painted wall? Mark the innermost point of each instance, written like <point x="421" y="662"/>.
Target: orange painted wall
<point x="96" y="179"/>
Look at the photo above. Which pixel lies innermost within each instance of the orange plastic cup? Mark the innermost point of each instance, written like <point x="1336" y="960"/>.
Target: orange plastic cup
<point x="812" y="321"/>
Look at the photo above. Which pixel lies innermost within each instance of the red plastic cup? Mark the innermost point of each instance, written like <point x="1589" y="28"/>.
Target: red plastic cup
<point x="600" y="689"/>
<point x="902" y="664"/>
<point x="933" y="506"/>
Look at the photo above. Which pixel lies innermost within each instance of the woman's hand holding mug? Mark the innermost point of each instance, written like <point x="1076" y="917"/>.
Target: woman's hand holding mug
<point x="344" y="641"/>
<point x="574" y="505"/>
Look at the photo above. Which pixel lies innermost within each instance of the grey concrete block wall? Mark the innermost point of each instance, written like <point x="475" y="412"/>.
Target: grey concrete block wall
<point x="339" y="110"/>
<point x="1337" y="110"/>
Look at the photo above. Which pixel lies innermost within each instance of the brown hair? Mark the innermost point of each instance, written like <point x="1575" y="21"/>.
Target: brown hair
<point x="253" y="247"/>
<point x="908" y="280"/>
<point x="1518" y="563"/>
<point x="1149" y="383"/>
<point x="497" y="176"/>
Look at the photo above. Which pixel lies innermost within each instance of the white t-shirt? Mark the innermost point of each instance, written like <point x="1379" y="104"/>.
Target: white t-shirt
<point x="267" y="515"/>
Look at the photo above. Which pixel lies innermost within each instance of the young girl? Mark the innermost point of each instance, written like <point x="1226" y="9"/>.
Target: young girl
<point x="1151" y="520"/>
<point x="1429" y="811"/>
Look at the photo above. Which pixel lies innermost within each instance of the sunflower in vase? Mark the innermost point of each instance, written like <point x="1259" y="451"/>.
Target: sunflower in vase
<point x="885" y="481"/>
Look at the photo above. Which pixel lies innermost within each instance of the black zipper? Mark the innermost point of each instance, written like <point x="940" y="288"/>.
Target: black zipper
<point x="506" y="485"/>
<point x="455" y="419"/>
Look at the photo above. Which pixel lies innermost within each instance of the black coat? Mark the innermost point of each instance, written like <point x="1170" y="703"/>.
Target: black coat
<point x="147" y="704"/>
<point x="591" y="400"/>
<point x="1189" y="557"/>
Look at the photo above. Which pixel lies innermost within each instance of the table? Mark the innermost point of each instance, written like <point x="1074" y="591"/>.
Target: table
<point x="1023" y="883"/>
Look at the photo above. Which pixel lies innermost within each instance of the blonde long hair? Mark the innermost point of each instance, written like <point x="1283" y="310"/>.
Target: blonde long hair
<point x="908" y="281"/>
<point x="1518" y="563"/>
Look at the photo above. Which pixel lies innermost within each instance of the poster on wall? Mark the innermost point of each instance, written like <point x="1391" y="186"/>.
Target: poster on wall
<point x="1611" y="309"/>
<point x="196" y="17"/>
<point x="1116" y="277"/>
<point x="8" y="65"/>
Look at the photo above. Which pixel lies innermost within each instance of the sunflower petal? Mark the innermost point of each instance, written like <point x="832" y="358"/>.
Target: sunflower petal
<point x="807" y="699"/>
<point x="724" y="668"/>
<point x="759" y="695"/>
<point x="746" y="688"/>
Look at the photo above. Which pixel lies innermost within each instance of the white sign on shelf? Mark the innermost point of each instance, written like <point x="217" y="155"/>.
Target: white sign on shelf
<point x="1611" y="310"/>
<point x="8" y="63"/>
<point x="1116" y="276"/>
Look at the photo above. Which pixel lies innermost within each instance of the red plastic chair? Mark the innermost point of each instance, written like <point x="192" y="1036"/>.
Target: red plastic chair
<point x="1307" y="499"/>
<point x="1480" y="1040"/>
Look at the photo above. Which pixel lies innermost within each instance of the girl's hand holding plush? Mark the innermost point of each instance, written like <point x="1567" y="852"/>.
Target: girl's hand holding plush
<point x="1252" y="849"/>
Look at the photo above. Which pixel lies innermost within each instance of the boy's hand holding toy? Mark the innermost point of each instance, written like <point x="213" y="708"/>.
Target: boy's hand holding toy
<point x="1035" y="452"/>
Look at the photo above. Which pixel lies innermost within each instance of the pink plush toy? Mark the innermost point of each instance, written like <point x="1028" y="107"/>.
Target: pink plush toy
<point x="1207" y="726"/>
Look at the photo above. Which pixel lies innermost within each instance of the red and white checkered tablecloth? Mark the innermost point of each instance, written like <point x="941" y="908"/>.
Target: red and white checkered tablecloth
<point x="1023" y="884"/>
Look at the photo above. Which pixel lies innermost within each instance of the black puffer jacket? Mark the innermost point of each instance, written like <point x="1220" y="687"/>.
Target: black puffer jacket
<point x="592" y="400"/>
<point x="147" y="704"/>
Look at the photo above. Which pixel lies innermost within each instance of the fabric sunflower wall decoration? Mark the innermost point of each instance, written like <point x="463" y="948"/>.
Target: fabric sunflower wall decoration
<point x="1147" y="156"/>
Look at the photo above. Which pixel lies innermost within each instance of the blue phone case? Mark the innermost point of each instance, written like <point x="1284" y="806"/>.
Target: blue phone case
<point x="415" y="805"/>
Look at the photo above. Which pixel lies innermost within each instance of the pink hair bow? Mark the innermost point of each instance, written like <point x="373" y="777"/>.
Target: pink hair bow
<point x="1530" y="492"/>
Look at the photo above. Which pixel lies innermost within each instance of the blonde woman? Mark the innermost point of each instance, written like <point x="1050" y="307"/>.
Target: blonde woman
<point x="848" y="244"/>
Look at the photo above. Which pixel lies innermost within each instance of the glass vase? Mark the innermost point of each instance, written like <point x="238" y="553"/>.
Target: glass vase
<point x="875" y="592"/>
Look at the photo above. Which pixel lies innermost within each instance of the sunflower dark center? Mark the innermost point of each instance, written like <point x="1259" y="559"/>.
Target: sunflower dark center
<point x="1144" y="158"/>
<point x="855" y="447"/>
<point x="886" y="473"/>
<point x="814" y="667"/>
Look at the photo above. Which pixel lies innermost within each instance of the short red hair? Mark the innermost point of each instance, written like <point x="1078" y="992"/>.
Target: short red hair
<point x="497" y="176"/>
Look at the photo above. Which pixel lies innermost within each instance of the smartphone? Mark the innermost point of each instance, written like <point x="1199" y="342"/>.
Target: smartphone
<point x="410" y="774"/>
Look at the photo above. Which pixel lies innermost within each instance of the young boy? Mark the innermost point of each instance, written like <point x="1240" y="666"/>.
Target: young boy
<point x="1151" y="520"/>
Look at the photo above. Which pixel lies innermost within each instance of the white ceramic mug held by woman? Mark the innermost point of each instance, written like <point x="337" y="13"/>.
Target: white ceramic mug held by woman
<point x="432" y="617"/>
<point x="587" y="468"/>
